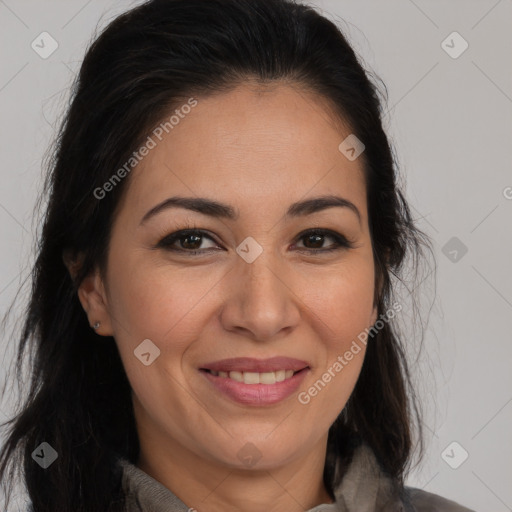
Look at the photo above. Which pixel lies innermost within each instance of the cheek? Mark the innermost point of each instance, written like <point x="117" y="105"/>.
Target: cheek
<point x="343" y="308"/>
<point x="157" y="303"/>
<point x="344" y="312"/>
<point x="343" y="299"/>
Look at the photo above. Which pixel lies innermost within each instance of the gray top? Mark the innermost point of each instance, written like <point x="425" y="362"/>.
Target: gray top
<point x="364" y="488"/>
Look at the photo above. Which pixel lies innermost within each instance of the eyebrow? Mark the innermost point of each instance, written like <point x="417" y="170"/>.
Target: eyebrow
<point x="224" y="211"/>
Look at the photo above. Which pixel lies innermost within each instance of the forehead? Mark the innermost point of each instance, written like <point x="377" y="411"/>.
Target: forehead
<point x="251" y="146"/>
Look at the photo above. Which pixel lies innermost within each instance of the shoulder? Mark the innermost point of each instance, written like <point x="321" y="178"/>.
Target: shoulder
<point x="424" y="501"/>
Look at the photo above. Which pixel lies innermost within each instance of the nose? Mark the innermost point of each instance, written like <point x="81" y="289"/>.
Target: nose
<point x="260" y="299"/>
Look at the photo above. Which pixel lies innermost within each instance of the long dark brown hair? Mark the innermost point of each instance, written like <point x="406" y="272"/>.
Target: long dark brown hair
<point x="134" y="73"/>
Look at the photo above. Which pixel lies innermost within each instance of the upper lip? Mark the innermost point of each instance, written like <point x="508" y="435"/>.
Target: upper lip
<point x="250" y="364"/>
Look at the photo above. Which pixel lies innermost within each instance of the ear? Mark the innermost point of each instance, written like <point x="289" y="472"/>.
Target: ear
<point x="91" y="293"/>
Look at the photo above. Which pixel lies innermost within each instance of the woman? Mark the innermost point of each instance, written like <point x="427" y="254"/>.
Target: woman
<point x="260" y="371"/>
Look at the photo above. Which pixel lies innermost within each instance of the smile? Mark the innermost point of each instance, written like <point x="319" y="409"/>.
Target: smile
<point x="255" y="377"/>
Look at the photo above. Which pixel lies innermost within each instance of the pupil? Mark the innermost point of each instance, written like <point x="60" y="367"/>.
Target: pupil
<point x="317" y="237"/>
<point x="192" y="245"/>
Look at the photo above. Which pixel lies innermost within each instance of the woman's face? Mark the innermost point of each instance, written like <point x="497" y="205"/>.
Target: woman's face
<point x="259" y="288"/>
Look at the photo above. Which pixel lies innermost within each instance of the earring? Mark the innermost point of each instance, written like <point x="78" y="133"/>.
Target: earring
<point x="96" y="326"/>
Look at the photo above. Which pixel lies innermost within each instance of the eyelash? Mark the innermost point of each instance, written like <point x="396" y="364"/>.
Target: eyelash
<point x="340" y="242"/>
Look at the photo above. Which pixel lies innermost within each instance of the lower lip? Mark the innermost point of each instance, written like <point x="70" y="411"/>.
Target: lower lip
<point x="257" y="394"/>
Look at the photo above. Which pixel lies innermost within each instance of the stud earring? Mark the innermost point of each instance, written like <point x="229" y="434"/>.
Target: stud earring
<point x="96" y="326"/>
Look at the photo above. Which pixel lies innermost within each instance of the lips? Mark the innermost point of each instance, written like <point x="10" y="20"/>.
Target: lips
<point x="249" y="364"/>
<point x="255" y="394"/>
<point x="256" y="382"/>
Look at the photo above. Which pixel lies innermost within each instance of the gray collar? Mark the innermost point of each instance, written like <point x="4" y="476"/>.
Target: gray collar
<point x="364" y="488"/>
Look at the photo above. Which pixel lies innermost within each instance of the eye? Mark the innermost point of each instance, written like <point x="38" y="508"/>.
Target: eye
<point x="189" y="240"/>
<point x="315" y="238"/>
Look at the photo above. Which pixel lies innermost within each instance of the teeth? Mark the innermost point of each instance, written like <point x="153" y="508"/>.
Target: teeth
<point x="251" y="378"/>
<point x="255" y="377"/>
<point x="280" y="375"/>
<point x="238" y="376"/>
<point x="268" y="378"/>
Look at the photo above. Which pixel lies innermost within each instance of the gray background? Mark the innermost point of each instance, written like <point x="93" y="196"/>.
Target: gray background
<point x="450" y="121"/>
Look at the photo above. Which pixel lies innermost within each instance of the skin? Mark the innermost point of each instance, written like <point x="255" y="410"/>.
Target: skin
<point x="258" y="149"/>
